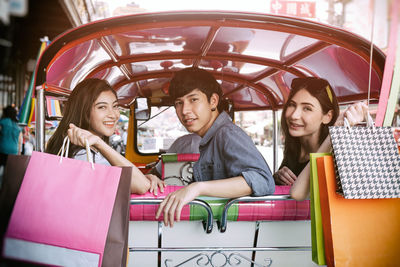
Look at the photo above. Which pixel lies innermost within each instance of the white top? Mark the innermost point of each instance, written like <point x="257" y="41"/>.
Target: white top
<point x="97" y="157"/>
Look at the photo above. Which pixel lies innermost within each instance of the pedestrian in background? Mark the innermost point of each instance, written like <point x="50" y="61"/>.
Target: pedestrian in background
<point x="10" y="136"/>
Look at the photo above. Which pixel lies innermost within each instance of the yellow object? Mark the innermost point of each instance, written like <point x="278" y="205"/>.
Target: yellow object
<point x="357" y="232"/>
<point x="32" y="114"/>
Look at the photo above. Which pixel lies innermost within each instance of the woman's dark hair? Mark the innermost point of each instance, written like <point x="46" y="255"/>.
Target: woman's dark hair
<point x="77" y="111"/>
<point x="322" y="91"/>
<point x="186" y="80"/>
<point x="11" y="113"/>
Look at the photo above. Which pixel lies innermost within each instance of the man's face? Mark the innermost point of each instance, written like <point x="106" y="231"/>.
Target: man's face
<point x="194" y="111"/>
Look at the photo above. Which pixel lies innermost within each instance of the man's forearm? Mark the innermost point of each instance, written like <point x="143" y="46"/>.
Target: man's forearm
<point x="227" y="188"/>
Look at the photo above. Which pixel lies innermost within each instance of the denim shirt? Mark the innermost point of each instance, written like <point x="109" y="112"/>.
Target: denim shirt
<point x="227" y="151"/>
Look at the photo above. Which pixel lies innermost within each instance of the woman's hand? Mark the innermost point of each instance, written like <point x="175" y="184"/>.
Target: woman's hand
<point x="284" y="176"/>
<point x="78" y="136"/>
<point x="155" y="184"/>
<point x="354" y="114"/>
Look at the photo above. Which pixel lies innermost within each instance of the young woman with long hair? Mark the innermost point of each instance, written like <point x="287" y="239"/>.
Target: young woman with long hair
<point x="91" y="115"/>
<point x="311" y="108"/>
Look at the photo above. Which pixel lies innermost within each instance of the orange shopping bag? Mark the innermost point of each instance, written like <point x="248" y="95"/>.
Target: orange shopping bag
<point x="357" y="232"/>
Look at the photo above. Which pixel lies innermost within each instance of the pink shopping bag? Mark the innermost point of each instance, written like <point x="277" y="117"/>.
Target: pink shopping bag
<point x="62" y="212"/>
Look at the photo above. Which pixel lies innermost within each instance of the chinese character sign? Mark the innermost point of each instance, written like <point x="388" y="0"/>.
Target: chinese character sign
<point x="304" y="9"/>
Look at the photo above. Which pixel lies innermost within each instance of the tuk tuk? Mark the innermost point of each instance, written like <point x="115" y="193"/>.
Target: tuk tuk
<point x="254" y="57"/>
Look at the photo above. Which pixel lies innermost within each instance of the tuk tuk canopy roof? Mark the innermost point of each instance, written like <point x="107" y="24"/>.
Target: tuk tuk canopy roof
<point x="253" y="56"/>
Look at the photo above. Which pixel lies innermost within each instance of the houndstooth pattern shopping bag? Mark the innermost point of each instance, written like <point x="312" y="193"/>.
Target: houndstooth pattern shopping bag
<point x="367" y="162"/>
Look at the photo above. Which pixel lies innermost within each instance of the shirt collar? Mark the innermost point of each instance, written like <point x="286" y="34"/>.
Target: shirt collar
<point x="222" y="119"/>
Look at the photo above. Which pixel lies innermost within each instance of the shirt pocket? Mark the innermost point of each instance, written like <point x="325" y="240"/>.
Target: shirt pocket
<point x="212" y="171"/>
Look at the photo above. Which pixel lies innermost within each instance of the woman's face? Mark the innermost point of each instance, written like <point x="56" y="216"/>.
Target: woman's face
<point x="104" y="114"/>
<point x="304" y="115"/>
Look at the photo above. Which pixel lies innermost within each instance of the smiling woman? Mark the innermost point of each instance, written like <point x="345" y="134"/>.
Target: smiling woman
<point x="91" y="116"/>
<point x="311" y="107"/>
<point x="104" y="114"/>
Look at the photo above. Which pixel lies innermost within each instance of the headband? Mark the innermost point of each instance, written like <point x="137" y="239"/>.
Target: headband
<point x="328" y="91"/>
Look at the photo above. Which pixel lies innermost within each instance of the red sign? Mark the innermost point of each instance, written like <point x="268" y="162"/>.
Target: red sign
<point x="304" y="9"/>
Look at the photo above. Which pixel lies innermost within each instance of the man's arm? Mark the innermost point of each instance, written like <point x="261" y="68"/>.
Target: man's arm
<point x="172" y="205"/>
<point x="246" y="172"/>
<point x="242" y="158"/>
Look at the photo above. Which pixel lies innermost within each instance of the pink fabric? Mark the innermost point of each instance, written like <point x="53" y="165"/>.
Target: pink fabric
<point x="278" y="210"/>
<point x="389" y="66"/>
<point x="188" y="157"/>
<point x="148" y="212"/>
<point x="65" y="204"/>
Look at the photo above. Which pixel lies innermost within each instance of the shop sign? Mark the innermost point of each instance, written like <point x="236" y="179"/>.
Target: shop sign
<point x="304" y="9"/>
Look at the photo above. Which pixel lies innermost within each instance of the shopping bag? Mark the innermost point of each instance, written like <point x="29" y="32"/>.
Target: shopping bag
<point x="325" y="211"/>
<point x="115" y="252"/>
<point x="13" y="175"/>
<point x="317" y="236"/>
<point x="359" y="232"/>
<point x="116" y="248"/>
<point x="62" y="212"/>
<point x="367" y="161"/>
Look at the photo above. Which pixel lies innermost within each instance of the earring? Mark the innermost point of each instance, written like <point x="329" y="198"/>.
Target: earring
<point x="213" y="109"/>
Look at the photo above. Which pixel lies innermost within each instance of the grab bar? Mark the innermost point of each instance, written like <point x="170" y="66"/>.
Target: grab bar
<point x="207" y="224"/>
<point x="224" y="217"/>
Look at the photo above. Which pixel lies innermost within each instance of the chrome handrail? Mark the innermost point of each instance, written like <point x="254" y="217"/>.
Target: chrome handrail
<point x="224" y="218"/>
<point x="212" y="249"/>
<point x="207" y="224"/>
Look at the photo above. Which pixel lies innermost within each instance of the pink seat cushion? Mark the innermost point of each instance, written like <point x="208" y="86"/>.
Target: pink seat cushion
<point x="276" y="210"/>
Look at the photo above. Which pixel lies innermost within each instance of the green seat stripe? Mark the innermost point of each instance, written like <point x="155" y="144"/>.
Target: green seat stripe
<point x="217" y="207"/>
<point x="169" y="157"/>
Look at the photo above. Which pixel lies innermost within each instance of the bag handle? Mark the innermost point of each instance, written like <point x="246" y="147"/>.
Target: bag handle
<point x="368" y="119"/>
<point x="65" y="148"/>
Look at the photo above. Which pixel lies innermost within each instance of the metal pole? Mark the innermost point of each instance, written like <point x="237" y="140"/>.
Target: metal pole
<point x="212" y="249"/>
<point x="275" y="140"/>
<point x="39" y="116"/>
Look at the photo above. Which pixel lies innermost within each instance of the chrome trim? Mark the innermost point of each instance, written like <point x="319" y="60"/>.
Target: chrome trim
<point x="275" y="138"/>
<point x="40" y="122"/>
<point x="212" y="249"/>
<point x="224" y="216"/>
<point x="214" y="260"/>
<point x="207" y="224"/>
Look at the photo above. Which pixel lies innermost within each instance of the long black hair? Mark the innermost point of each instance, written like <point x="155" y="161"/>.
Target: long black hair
<point x="322" y="91"/>
<point x="77" y="111"/>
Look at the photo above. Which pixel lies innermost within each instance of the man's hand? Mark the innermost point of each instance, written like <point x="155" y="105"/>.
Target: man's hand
<point x="155" y="184"/>
<point x="284" y="176"/>
<point x="172" y="205"/>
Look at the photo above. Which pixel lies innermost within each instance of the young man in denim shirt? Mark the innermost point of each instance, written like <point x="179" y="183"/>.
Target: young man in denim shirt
<point x="229" y="166"/>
